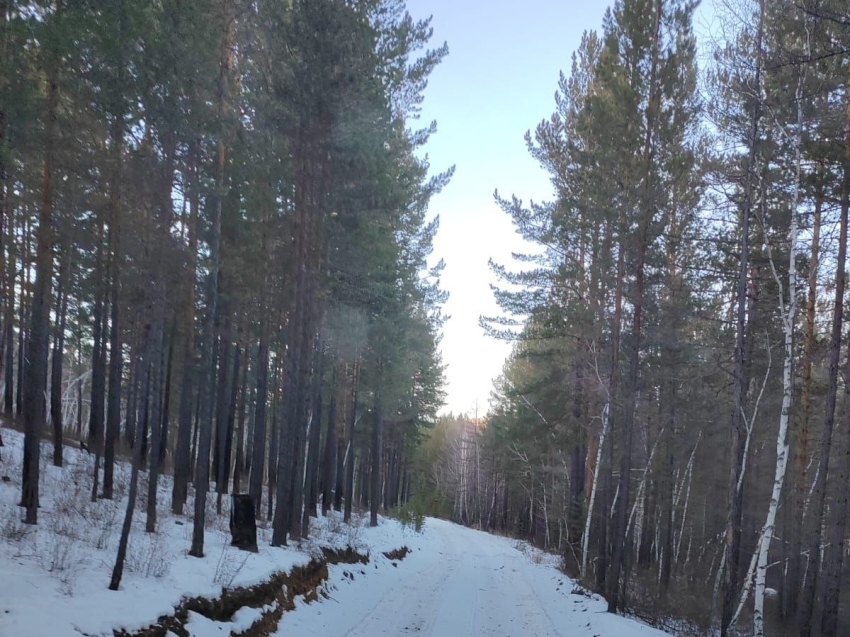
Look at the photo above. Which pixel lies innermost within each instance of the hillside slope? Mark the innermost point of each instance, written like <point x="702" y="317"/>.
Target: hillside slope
<point x="55" y="575"/>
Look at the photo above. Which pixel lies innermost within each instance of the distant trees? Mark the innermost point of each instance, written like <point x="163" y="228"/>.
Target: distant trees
<point x="216" y="212"/>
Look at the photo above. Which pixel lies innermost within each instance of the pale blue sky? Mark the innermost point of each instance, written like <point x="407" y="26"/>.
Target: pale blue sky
<point x="497" y="82"/>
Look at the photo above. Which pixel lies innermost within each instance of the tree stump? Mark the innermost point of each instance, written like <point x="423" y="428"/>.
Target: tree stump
<point x="243" y="523"/>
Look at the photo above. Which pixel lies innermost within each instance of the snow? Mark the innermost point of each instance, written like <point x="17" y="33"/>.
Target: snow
<point x="459" y="582"/>
<point x="55" y="575"/>
<point x="454" y="582"/>
<point x="200" y="626"/>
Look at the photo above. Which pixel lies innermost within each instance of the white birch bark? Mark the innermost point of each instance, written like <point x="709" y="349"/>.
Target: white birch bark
<point x="642" y="484"/>
<point x="689" y="472"/>
<point x="757" y="571"/>
<point x="748" y="581"/>
<point x="585" y="537"/>
<point x="718" y="578"/>
<point x="749" y="424"/>
<point x="789" y="318"/>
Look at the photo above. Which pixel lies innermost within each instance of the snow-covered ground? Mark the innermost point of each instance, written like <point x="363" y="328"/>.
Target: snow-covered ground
<point x="54" y="577"/>
<point x="455" y="582"/>
<point x="460" y="583"/>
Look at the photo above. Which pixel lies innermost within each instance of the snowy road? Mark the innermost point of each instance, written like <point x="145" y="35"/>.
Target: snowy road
<point x="460" y="583"/>
<point x="456" y="582"/>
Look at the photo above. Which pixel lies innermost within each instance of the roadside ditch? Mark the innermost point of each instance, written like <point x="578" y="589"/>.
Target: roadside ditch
<point x="274" y="597"/>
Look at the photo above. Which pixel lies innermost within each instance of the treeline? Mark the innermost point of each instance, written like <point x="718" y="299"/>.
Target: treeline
<point x="674" y="418"/>
<point x="214" y="245"/>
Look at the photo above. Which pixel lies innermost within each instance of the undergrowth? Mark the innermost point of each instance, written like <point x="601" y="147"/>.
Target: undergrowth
<point x="422" y="504"/>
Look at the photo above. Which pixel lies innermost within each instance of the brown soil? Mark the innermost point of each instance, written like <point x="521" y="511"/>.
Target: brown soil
<point x="397" y="554"/>
<point x="281" y="587"/>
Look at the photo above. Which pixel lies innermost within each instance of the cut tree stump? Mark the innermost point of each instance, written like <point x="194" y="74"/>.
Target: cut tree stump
<point x="243" y="523"/>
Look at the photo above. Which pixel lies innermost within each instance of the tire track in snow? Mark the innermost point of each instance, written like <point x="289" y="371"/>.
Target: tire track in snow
<point x="462" y="583"/>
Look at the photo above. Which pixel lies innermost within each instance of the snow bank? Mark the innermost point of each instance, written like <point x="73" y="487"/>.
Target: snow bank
<point x="55" y="575"/>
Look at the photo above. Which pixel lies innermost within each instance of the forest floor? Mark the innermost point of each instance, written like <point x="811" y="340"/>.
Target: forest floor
<point x="454" y="581"/>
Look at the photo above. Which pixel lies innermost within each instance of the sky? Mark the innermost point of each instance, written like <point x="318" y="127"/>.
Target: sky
<point x="497" y="82"/>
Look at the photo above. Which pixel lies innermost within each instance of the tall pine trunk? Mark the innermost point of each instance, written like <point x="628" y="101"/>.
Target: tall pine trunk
<point x="166" y="400"/>
<point x="182" y="452"/>
<point x="377" y="452"/>
<point x="205" y="411"/>
<point x="36" y="371"/>
<point x="274" y="441"/>
<point x="256" y="459"/>
<point x="154" y="399"/>
<point x="301" y="423"/>
<point x="161" y="225"/>
<point x="59" y="356"/>
<point x="98" y="376"/>
<point x="132" y="494"/>
<point x="7" y="238"/>
<point x="835" y="550"/>
<point x="818" y="500"/>
<point x="239" y="463"/>
<point x="329" y="463"/>
<point x="284" y="514"/>
<point x="647" y="208"/>
<point x="312" y="467"/>
<point x="202" y="467"/>
<point x="797" y="496"/>
<point x="116" y="363"/>
<point x="349" y="454"/>
<point x="221" y="469"/>
<point x="9" y="314"/>
<point x="227" y="454"/>
<point x="258" y="445"/>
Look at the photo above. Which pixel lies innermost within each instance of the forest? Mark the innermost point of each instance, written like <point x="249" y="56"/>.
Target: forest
<point x="216" y="265"/>
<point x="675" y="417"/>
<point x="214" y="250"/>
